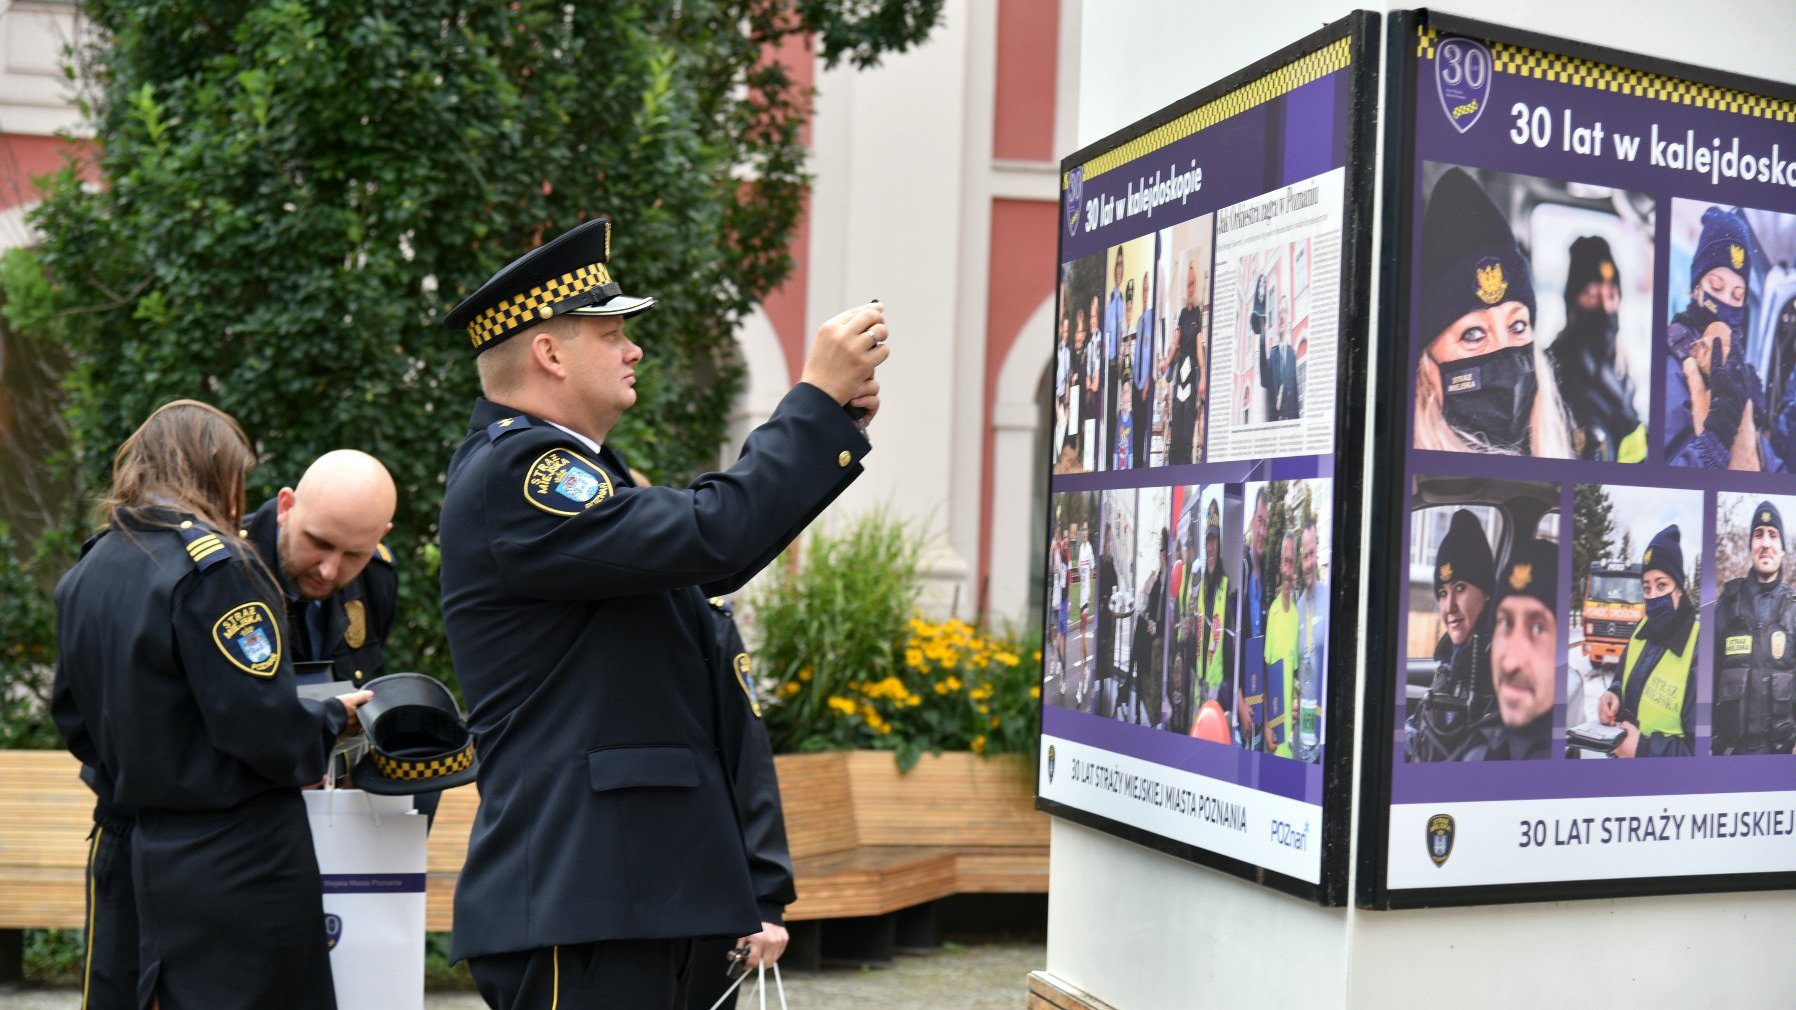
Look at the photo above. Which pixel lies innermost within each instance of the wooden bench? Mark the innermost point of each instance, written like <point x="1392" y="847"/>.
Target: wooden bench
<point x="866" y="841"/>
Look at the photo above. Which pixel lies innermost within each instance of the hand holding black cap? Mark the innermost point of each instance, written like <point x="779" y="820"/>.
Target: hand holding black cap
<point x="418" y="741"/>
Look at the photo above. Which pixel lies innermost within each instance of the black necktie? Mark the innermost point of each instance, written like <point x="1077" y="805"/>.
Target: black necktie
<point x="316" y="624"/>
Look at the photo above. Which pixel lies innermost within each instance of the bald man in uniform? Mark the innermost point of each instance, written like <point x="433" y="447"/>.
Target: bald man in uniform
<point x="318" y="540"/>
<point x="322" y="541"/>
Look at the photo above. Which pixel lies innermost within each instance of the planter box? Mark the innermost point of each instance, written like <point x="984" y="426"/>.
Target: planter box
<point x="836" y="799"/>
<point x="867" y="839"/>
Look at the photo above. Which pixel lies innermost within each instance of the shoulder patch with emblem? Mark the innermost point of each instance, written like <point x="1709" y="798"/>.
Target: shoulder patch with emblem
<point x="562" y="482"/>
<point x="381" y="552"/>
<point x="507" y="425"/>
<point x="250" y="638"/>
<point x="744" y="668"/>
<point x="203" y="544"/>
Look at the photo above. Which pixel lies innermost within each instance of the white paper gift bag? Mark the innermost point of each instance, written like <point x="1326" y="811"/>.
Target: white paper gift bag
<point x="371" y="856"/>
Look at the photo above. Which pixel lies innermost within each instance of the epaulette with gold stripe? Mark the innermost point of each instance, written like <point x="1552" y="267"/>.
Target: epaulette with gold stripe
<point x="507" y="425"/>
<point x="204" y="545"/>
<point x="383" y="554"/>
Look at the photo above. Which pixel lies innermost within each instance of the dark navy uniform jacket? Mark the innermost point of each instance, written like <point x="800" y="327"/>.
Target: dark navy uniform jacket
<point x="574" y="604"/>
<point x="358" y="617"/>
<point x="172" y="678"/>
<point x="755" y="780"/>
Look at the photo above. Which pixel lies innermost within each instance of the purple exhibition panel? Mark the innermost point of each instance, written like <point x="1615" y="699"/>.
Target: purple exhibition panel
<point x="1585" y="642"/>
<point x="1208" y="387"/>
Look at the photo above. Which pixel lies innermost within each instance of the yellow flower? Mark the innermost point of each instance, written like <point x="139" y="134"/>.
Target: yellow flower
<point x="997" y="721"/>
<point x="981" y="692"/>
<point x="953" y="683"/>
<point x="912" y="700"/>
<point x="941" y="687"/>
<point x="804" y="674"/>
<point x="841" y="705"/>
<point x="790" y="688"/>
<point x="1035" y="692"/>
<point x="978" y="744"/>
<point x="985" y="710"/>
<point x="913" y="658"/>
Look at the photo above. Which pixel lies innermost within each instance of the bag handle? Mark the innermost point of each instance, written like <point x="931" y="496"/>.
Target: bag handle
<point x="760" y="987"/>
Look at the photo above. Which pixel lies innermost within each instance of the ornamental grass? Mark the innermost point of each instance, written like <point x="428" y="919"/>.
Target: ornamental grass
<point x="847" y="661"/>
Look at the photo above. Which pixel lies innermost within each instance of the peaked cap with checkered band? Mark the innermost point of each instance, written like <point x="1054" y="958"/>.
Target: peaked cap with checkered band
<point x="418" y="740"/>
<point x="566" y="275"/>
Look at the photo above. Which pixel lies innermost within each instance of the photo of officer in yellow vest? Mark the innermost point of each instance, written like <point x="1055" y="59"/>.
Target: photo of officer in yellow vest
<point x="1653" y="698"/>
<point x="1286" y="666"/>
<point x="1631" y="655"/>
<point x="1755" y="628"/>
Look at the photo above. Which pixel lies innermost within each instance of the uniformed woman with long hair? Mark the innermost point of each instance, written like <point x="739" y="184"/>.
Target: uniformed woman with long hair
<point x="1483" y="383"/>
<point x="1653" y="698"/>
<point x="174" y="689"/>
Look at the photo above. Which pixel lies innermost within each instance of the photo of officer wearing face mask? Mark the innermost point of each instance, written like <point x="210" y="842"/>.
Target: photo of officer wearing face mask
<point x="1716" y="415"/>
<point x="1483" y="384"/>
<point x="1598" y="394"/>
<point x="1653" y="695"/>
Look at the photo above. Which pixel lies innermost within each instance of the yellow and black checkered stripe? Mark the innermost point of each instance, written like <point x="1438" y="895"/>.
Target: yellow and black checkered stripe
<point x="1521" y="61"/>
<point x="536" y="304"/>
<point x="407" y="769"/>
<point x="1317" y="65"/>
<point x="204" y="547"/>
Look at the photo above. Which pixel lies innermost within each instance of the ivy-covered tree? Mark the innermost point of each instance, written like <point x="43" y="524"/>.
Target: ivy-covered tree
<point x="293" y="194"/>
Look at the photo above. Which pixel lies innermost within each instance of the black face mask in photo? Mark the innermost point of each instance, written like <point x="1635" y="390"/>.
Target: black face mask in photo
<point x="1598" y="324"/>
<point x="1491" y="396"/>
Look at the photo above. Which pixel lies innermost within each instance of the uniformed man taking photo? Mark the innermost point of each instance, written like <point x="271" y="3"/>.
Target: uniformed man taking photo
<point x="575" y="606"/>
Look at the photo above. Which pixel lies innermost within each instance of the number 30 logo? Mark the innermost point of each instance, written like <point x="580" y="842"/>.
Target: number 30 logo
<point x="1462" y="78"/>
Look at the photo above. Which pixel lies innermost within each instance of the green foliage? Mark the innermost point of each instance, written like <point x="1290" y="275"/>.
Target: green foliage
<point x="295" y="193"/>
<point x="849" y="662"/>
<point x="439" y="971"/>
<point x="833" y="613"/>
<point x="53" y="956"/>
<point x="28" y="640"/>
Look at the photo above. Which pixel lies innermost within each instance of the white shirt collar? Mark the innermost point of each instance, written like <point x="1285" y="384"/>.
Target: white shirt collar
<point x="589" y="443"/>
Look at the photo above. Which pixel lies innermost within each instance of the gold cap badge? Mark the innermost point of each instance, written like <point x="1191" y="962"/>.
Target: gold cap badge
<point x="1607" y="270"/>
<point x="1492" y="285"/>
<point x="1447" y="573"/>
<point x="1521" y="576"/>
<point x="1737" y="255"/>
<point x="1649" y="556"/>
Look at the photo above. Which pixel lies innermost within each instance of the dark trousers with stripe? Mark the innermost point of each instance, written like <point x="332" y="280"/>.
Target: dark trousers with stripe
<point x="607" y="975"/>
<point x="109" y="964"/>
